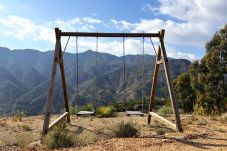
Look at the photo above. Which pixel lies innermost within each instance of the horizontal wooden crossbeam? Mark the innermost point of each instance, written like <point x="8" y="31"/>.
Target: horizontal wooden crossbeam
<point x="163" y="121"/>
<point x="58" y="119"/>
<point x="97" y="34"/>
<point x="160" y="62"/>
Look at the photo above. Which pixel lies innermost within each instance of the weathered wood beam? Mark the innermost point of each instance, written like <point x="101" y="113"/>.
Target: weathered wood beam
<point x="153" y="89"/>
<point x="52" y="84"/>
<point x="160" y="62"/>
<point x="97" y="34"/>
<point x="64" y="84"/>
<point x="58" y="120"/>
<point x="163" y="121"/>
<point x="169" y="83"/>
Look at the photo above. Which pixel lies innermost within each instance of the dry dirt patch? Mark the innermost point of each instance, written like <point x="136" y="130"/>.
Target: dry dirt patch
<point x="208" y="133"/>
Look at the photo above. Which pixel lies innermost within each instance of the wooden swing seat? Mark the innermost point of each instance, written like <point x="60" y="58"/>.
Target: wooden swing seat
<point x="128" y="113"/>
<point x="85" y="113"/>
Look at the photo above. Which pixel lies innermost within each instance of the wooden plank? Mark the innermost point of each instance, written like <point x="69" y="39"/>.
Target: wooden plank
<point x="163" y="121"/>
<point x="153" y="89"/>
<point x="97" y="34"/>
<point x="58" y="119"/>
<point x="64" y="84"/>
<point x="51" y="86"/>
<point x="134" y="113"/>
<point x="160" y="62"/>
<point x="169" y="83"/>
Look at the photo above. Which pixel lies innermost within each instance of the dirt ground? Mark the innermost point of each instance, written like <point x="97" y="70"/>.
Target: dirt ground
<point x="95" y="134"/>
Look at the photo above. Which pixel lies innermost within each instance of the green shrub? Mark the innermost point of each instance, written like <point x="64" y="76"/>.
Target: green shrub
<point x="18" y="116"/>
<point x="105" y="111"/>
<point x="26" y="127"/>
<point x="126" y="130"/>
<point x="59" y="137"/>
<point x="73" y="110"/>
<point x="88" y="107"/>
<point x="199" y="110"/>
<point x="165" y="110"/>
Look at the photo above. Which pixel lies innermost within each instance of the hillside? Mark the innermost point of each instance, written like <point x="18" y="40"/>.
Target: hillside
<point x="24" y="79"/>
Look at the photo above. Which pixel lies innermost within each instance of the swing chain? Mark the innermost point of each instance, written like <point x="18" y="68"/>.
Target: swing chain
<point x="154" y="48"/>
<point x="66" y="45"/>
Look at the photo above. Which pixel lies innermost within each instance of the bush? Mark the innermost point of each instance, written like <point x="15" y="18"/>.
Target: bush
<point x="105" y="111"/>
<point x="88" y="107"/>
<point x="18" y="116"/>
<point x="73" y="110"/>
<point x="59" y="137"/>
<point x="126" y="130"/>
<point x="26" y="127"/>
<point x="165" y="110"/>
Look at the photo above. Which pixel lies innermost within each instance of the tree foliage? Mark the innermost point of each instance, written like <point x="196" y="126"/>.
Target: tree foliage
<point x="185" y="93"/>
<point x="205" y="79"/>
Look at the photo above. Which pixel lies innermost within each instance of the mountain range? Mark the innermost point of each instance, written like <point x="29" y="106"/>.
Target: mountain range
<point x="24" y="79"/>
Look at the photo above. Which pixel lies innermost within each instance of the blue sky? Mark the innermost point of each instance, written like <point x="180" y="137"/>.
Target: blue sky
<point x="189" y="24"/>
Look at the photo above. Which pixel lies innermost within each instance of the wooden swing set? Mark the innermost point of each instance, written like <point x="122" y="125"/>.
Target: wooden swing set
<point x="161" y="58"/>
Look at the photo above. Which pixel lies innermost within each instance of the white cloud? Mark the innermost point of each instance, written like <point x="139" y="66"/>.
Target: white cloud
<point x="188" y="23"/>
<point x="172" y="53"/>
<point x="149" y="25"/>
<point x="191" y="23"/>
<point x="91" y="20"/>
<point x="200" y="19"/>
<point x="23" y="28"/>
<point x="79" y="24"/>
<point x="18" y="27"/>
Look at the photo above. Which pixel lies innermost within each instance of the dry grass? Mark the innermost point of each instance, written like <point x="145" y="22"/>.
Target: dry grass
<point x="87" y="137"/>
<point x="96" y="133"/>
<point x="223" y="118"/>
<point x="202" y="122"/>
<point x="24" y="139"/>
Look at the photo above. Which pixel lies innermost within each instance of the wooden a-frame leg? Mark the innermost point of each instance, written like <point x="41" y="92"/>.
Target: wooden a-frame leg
<point x="170" y="85"/>
<point x="64" y="85"/>
<point x="153" y="89"/>
<point x="172" y="97"/>
<point x="51" y="89"/>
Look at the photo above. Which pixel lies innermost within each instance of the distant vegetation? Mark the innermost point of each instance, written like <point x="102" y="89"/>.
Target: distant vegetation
<point x="60" y="137"/>
<point x="126" y="129"/>
<point x="105" y="111"/>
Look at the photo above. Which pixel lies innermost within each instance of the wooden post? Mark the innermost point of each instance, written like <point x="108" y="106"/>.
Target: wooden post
<point x="153" y="89"/>
<point x="61" y="63"/>
<point x="169" y="83"/>
<point x="52" y="84"/>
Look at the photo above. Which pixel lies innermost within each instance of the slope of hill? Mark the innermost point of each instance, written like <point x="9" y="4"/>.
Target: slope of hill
<point x="24" y="77"/>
